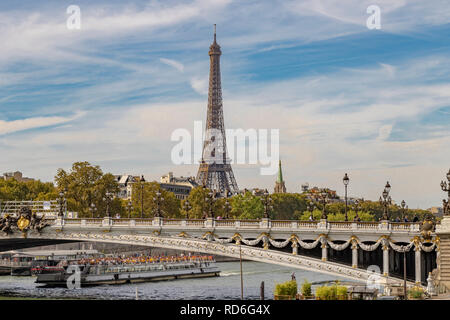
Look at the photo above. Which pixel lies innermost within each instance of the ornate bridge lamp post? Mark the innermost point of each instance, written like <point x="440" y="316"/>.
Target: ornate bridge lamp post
<point x="267" y="202"/>
<point x="209" y="199"/>
<point x="158" y="200"/>
<point x="142" y="182"/>
<point x="129" y="207"/>
<point x="227" y="208"/>
<point x="92" y="209"/>
<point x="324" y="200"/>
<point x="186" y="207"/>
<point x="61" y="203"/>
<point x="356" y="208"/>
<point x="346" y="180"/>
<point x="403" y="204"/>
<point x="385" y="201"/>
<point x="108" y="198"/>
<point x="446" y="188"/>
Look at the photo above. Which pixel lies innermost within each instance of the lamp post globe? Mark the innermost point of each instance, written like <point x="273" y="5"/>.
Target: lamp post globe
<point x="387" y="187"/>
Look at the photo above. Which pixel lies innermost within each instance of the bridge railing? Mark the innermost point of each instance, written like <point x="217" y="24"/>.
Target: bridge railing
<point x="173" y="222"/>
<point x="340" y="225"/>
<point x="225" y="223"/>
<point x="399" y="226"/>
<point x="367" y="225"/>
<point x="247" y="224"/>
<point x="195" y="222"/>
<point x="143" y="222"/>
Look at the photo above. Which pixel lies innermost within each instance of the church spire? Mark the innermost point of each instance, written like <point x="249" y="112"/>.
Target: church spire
<point x="279" y="184"/>
<point x="280" y="174"/>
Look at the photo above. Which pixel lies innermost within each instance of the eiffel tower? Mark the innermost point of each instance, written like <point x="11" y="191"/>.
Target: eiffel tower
<point x="215" y="171"/>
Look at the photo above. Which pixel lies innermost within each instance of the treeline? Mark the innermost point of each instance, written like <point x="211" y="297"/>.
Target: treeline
<point x="11" y="190"/>
<point x="85" y="188"/>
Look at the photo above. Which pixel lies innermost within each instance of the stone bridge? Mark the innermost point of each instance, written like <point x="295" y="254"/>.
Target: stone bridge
<point x="343" y="249"/>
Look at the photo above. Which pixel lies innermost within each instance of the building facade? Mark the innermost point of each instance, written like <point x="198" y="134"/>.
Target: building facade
<point x="180" y="186"/>
<point x="125" y="182"/>
<point x="17" y="175"/>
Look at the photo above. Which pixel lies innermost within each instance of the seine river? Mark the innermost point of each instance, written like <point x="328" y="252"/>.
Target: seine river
<point x="227" y="286"/>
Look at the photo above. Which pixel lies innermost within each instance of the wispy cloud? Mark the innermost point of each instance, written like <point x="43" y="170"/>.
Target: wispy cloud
<point x="177" y="65"/>
<point x="200" y="85"/>
<point x="33" y="123"/>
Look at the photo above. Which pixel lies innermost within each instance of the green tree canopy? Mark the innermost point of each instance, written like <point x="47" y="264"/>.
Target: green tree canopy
<point x="85" y="185"/>
<point x="170" y="206"/>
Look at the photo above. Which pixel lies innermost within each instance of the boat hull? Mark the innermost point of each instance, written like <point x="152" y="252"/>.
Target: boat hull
<point x="21" y="271"/>
<point x="62" y="279"/>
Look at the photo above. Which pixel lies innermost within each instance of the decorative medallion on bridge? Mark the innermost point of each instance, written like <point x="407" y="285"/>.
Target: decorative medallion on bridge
<point x="183" y="235"/>
<point x="237" y="237"/>
<point x="427" y="228"/>
<point x="25" y="221"/>
<point x="23" y="224"/>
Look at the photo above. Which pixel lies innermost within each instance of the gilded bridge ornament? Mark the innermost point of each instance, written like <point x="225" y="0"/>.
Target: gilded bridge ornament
<point x="23" y="224"/>
<point x="25" y="221"/>
<point x="427" y="228"/>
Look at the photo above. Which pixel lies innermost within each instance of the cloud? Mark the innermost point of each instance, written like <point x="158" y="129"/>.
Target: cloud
<point x="384" y="132"/>
<point x="200" y="85"/>
<point x="33" y="123"/>
<point x="177" y="65"/>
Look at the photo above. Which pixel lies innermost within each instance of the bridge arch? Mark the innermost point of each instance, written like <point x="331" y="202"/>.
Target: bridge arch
<point x="231" y="249"/>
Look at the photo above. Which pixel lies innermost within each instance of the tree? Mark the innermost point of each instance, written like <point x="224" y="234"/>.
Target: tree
<point x="286" y="205"/>
<point x="198" y="203"/>
<point x="86" y="185"/>
<point x="170" y="206"/>
<point x="35" y="190"/>
<point x="247" y="206"/>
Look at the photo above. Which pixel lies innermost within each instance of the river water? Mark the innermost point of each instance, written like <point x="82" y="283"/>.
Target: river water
<point x="227" y="286"/>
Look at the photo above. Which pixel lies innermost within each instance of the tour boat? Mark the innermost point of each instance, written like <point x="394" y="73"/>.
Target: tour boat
<point x="88" y="275"/>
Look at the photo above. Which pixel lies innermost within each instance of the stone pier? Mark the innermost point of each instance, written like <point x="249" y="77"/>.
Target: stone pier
<point x="443" y="256"/>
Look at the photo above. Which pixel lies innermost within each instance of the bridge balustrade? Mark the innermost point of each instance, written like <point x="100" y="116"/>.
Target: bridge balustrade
<point x="122" y="221"/>
<point x="368" y="225"/>
<point x="276" y="224"/>
<point x="144" y="222"/>
<point x="195" y="222"/>
<point x="282" y="223"/>
<point x="249" y="223"/>
<point x="74" y="221"/>
<point x="340" y="225"/>
<point x="398" y="226"/>
<point x="172" y="222"/>
<point x="307" y="224"/>
<point x="225" y="223"/>
<point x="92" y="221"/>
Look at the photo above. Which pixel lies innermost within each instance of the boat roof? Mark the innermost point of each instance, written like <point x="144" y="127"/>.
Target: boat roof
<point x="35" y="253"/>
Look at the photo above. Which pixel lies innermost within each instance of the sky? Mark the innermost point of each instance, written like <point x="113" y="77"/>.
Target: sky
<point x="373" y="103"/>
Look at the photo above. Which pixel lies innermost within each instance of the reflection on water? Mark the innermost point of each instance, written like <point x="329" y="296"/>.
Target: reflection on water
<point x="227" y="286"/>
